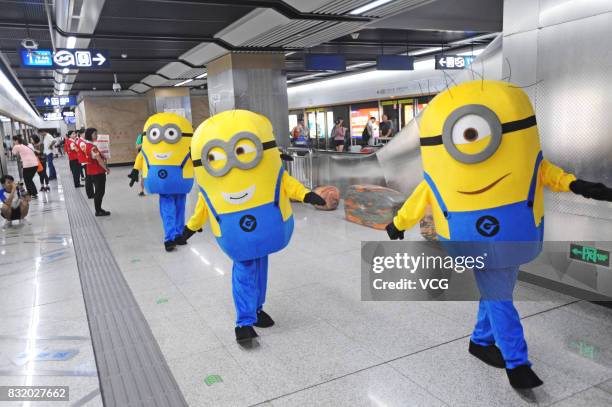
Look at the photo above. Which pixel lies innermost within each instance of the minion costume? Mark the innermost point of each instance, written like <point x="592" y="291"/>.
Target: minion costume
<point x="484" y="179"/>
<point x="245" y="192"/>
<point x="167" y="170"/>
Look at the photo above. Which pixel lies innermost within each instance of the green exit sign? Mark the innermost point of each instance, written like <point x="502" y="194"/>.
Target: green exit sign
<point x="590" y="254"/>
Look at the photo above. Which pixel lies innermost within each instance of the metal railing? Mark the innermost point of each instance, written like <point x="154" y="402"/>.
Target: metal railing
<point x="301" y="166"/>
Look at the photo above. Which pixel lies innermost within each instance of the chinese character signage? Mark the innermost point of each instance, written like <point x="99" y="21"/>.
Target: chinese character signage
<point x="589" y="254"/>
<point x="66" y="58"/>
<point x="56" y="101"/>
<point x="453" y="61"/>
<point x="48" y="117"/>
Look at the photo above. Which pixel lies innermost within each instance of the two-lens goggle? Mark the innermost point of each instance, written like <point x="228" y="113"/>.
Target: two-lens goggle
<point x="170" y="133"/>
<point x="473" y="133"/>
<point x="244" y="151"/>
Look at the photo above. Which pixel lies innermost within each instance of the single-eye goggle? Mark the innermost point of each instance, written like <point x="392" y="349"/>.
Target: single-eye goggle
<point x="470" y="124"/>
<point x="170" y="133"/>
<point x="244" y="151"/>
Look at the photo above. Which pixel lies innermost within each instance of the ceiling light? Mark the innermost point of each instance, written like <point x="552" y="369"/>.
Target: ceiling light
<point x="62" y="87"/>
<point x="65" y="70"/>
<point x="204" y="75"/>
<point x="290" y="53"/>
<point x="184" y="82"/>
<point x="123" y="56"/>
<point x="424" y="51"/>
<point x="361" y="65"/>
<point x="369" y="6"/>
<point x="71" y="42"/>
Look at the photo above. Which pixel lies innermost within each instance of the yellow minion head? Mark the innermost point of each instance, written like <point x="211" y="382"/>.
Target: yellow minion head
<point x="236" y="159"/>
<point x="479" y="144"/>
<point x="166" y="140"/>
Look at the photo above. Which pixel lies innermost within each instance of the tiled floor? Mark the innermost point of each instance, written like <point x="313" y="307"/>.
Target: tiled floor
<point x="327" y="349"/>
<point x="42" y="307"/>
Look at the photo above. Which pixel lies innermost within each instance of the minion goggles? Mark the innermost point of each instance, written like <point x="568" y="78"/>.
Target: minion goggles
<point x="497" y="130"/>
<point x="229" y="148"/>
<point x="170" y="133"/>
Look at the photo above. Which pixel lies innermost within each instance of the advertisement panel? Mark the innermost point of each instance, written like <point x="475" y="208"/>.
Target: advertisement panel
<point x="360" y="117"/>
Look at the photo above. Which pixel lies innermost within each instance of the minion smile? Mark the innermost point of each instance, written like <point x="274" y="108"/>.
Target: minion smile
<point x="241" y="197"/>
<point x="480" y="191"/>
<point x="163" y="156"/>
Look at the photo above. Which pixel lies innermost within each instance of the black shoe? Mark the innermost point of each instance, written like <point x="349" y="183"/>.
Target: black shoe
<point x="180" y="240"/>
<point x="489" y="354"/>
<point x="141" y="194"/>
<point x="78" y="186"/>
<point x="90" y="197"/>
<point x="102" y="213"/>
<point x="263" y="320"/>
<point x="522" y="377"/>
<point x="170" y="245"/>
<point x="244" y="334"/>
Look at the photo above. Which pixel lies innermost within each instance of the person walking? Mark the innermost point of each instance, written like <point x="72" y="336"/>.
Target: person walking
<point x="338" y="134"/>
<point x="39" y="150"/>
<point x="71" y="150"/>
<point x="96" y="169"/>
<point x="48" y="143"/>
<point x="29" y="163"/>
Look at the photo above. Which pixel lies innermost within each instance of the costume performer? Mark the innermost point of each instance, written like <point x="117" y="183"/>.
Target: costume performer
<point x="245" y="192"/>
<point x="484" y="179"/>
<point x="167" y="170"/>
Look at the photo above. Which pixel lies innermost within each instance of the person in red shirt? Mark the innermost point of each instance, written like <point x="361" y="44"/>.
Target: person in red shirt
<point x="83" y="160"/>
<point x="96" y="169"/>
<point x="71" y="149"/>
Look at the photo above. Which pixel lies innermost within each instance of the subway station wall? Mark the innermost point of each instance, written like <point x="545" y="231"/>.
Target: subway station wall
<point x="553" y="48"/>
<point x="120" y="117"/>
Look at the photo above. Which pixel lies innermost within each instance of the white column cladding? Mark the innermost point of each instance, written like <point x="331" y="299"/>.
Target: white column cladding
<point x="255" y="82"/>
<point x="549" y="48"/>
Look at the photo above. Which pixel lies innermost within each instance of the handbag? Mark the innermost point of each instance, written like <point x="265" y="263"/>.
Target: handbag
<point x="40" y="167"/>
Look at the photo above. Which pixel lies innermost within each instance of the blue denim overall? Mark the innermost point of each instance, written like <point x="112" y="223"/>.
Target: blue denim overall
<point x="248" y="237"/>
<point x="509" y="236"/>
<point x="172" y="187"/>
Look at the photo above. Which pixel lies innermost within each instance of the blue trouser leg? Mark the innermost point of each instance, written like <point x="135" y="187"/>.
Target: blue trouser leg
<point x="262" y="281"/>
<point x="167" y="211"/>
<point x="179" y="220"/>
<point x="249" y="279"/>
<point x="51" y="167"/>
<point x="498" y="321"/>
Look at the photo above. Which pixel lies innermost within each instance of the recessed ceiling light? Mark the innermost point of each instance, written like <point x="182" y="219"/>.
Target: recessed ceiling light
<point x="184" y="82"/>
<point x="204" y="75"/>
<point x="369" y="6"/>
<point x="123" y="56"/>
<point x="71" y="42"/>
<point x="65" y="70"/>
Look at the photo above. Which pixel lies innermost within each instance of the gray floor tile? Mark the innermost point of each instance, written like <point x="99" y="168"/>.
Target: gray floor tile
<point x="378" y="386"/>
<point x="592" y="397"/>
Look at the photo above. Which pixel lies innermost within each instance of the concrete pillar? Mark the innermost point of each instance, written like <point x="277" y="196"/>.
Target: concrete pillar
<point x="172" y="100"/>
<point x="255" y="82"/>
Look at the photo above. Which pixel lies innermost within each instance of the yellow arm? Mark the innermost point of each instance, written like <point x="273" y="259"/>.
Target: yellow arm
<point x="198" y="219"/>
<point x="293" y="188"/>
<point x="413" y="209"/>
<point x="555" y="178"/>
<point x="138" y="162"/>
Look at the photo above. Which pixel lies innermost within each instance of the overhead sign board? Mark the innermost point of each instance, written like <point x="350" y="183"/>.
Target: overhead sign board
<point x="65" y="58"/>
<point x="68" y="114"/>
<point x="70" y="120"/>
<point x="444" y="61"/>
<point x="394" y="63"/>
<point x="52" y="116"/>
<point x="324" y="62"/>
<point x="55" y="101"/>
<point x="41" y="58"/>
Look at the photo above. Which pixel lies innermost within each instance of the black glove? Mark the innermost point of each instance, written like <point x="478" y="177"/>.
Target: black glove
<point x="133" y="176"/>
<point x="187" y="233"/>
<point x="594" y="190"/>
<point x="394" y="233"/>
<point x="314" y="199"/>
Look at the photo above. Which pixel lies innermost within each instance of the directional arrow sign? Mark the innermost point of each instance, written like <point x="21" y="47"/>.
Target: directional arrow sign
<point x="445" y="61"/>
<point x="55" y="101"/>
<point x="99" y="58"/>
<point x="66" y="58"/>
